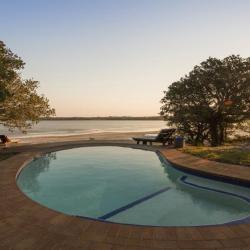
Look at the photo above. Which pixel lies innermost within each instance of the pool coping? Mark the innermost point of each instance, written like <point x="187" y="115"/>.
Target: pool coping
<point x="25" y="224"/>
<point x="224" y="172"/>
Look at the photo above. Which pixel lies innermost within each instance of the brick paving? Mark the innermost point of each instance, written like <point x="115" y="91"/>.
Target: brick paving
<point x="25" y="224"/>
<point x="212" y="168"/>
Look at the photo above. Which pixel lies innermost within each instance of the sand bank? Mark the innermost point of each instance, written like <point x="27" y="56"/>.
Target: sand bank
<point x="90" y="136"/>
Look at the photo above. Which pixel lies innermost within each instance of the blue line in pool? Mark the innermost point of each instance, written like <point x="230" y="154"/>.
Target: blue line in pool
<point x="132" y="204"/>
<point x="183" y="179"/>
<point x="242" y="220"/>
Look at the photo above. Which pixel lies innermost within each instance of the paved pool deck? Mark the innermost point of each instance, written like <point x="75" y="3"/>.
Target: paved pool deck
<point x="25" y="224"/>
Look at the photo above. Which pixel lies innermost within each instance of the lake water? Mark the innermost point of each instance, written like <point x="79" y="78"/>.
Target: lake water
<point x="78" y="127"/>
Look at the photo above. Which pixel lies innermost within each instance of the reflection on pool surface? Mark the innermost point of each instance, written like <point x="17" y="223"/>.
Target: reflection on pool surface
<point x="131" y="186"/>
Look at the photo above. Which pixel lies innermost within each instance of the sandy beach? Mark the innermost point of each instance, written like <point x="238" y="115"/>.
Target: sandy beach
<point x="85" y="137"/>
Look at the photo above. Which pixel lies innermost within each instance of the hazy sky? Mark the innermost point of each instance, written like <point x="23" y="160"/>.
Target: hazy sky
<point x="115" y="57"/>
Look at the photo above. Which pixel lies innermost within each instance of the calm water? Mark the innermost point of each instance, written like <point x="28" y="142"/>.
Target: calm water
<point x="129" y="186"/>
<point x="55" y="128"/>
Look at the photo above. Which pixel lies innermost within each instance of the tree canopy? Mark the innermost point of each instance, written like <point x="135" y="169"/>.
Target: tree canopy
<point x="213" y="97"/>
<point x="20" y="104"/>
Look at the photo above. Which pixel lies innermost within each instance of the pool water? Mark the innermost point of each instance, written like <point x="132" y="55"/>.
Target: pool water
<point x="131" y="186"/>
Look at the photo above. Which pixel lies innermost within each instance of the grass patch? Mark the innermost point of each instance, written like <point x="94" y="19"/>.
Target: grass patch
<point x="4" y="156"/>
<point x="228" y="154"/>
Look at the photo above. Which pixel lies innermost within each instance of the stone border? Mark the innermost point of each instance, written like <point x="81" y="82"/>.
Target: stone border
<point x="25" y="224"/>
<point x="229" y="173"/>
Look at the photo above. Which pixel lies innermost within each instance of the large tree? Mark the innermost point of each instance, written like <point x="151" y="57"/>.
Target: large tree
<point x="213" y="97"/>
<point x="20" y="104"/>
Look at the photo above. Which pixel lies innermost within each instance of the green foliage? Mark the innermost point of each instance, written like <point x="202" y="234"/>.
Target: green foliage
<point x="213" y="97"/>
<point x="245" y="128"/>
<point x="20" y="104"/>
<point x="233" y="155"/>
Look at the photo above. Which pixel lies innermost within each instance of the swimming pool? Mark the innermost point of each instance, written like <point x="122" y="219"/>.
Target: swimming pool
<point x="131" y="186"/>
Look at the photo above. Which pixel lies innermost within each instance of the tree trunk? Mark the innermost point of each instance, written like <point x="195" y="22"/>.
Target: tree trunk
<point x="214" y="131"/>
<point x="222" y="134"/>
<point x="199" y="138"/>
<point x="221" y="137"/>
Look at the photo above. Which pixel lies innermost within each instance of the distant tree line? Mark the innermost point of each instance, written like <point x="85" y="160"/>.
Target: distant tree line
<point x="109" y="118"/>
<point x="211" y="100"/>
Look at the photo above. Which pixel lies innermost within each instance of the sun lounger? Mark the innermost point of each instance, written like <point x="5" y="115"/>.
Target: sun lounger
<point x="5" y="139"/>
<point x="164" y="136"/>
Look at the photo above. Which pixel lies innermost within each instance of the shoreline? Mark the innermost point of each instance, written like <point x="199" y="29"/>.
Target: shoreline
<point x="85" y="137"/>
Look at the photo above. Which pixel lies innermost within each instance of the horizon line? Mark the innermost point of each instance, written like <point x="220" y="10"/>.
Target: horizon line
<point x="103" y="118"/>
